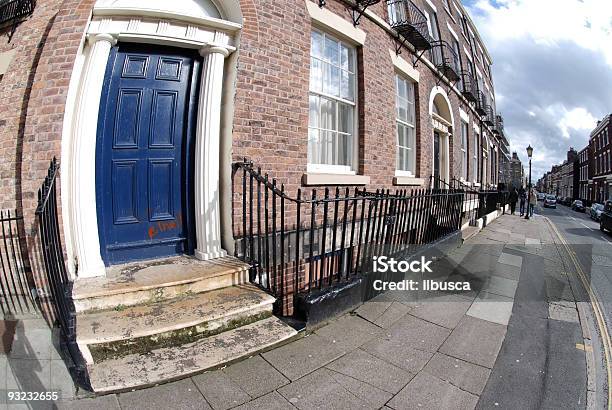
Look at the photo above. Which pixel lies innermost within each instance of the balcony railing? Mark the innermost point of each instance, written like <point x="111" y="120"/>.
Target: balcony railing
<point x="446" y="60"/>
<point x="15" y="9"/>
<point x="481" y="103"/>
<point x="499" y="123"/>
<point x="470" y="86"/>
<point x="410" y="22"/>
<point x="489" y="117"/>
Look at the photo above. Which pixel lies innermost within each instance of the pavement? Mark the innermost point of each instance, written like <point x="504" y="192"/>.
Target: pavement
<point x="512" y="341"/>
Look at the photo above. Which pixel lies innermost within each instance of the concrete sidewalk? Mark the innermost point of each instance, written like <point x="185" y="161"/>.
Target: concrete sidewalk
<point x="400" y="350"/>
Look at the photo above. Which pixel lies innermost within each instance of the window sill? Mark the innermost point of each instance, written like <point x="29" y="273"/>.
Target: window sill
<point x="404" y="180"/>
<point x="315" y="178"/>
<point x="477" y="184"/>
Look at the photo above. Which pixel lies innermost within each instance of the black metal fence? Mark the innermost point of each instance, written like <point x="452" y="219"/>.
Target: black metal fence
<point x="318" y="239"/>
<point x="15" y="9"/>
<point x="15" y="275"/>
<point x="52" y="253"/>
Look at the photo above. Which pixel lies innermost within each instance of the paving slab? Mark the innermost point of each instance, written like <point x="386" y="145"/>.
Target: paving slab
<point x="372" y="370"/>
<point x="303" y="356"/>
<point x="560" y="311"/>
<point x="349" y="331"/>
<point x="108" y="402"/>
<point x="219" y="390"/>
<point x="500" y="285"/>
<point x="428" y="392"/>
<point x="373" y="309"/>
<point x="418" y="333"/>
<point x="180" y="395"/>
<point x="397" y="352"/>
<point x="31" y="343"/>
<point x="394" y="313"/>
<point x="476" y="341"/>
<point x="510" y="259"/>
<point x="320" y="389"/>
<point x="466" y="376"/>
<point x="446" y="314"/>
<point x="492" y="308"/>
<point x="61" y="380"/>
<point x="506" y="271"/>
<point x="28" y="375"/>
<point x="271" y="401"/>
<point x="255" y="376"/>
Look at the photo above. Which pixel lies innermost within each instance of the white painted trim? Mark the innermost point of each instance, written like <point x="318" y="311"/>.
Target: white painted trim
<point x="160" y="14"/>
<point x="408" y="181"/>
<point x="476" y="128"/>
<point x="329" y="169"/>
<point x="81" y="119"/>
<point x="333" y="23"/>
<point x="432" y="6"/>
<point x="314" y="178"/>
<point x="439" y="90"/>
<point x="452" y="31"/>
<point x="464" y="116"/>
<point x="5" y="60"/>
<point x="404" y="67"/>
<point x="401" y="173"/>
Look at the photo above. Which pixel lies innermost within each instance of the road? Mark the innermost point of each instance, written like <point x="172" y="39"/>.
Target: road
<point x="593" y="249"/>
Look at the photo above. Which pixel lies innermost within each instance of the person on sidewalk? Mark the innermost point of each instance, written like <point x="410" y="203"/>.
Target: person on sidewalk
<point x="512" y="198"/>
<point x="533" y="200"/>
<point x="522" y="197"/>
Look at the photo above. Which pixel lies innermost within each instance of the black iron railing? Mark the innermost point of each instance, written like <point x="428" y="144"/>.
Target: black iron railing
<point x="315" y="240"/>
<point x="499" y="124"/>
<point x="481" y="103"/>
<point x="445" y="59"/>
<point x="489" y="117"/>
<point x="410" y="22"/>
<point x="15" y="278"/>
<point x="15" y="9"/>
<point x="52" y="251"/>
<point x="470" y="86"/>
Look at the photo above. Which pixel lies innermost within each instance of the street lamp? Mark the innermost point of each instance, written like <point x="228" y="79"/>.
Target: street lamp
<point x="529" y="154"/>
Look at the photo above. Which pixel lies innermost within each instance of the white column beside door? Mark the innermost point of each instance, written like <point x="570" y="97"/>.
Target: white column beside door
<point x="207" y="212"/>
<point x="83" y="171"/>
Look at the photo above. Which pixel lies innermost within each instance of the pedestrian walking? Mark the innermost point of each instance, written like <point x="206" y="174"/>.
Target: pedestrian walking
<point x="522" y="198"/>
<point x="512" y="198"/>
<point x="533" y="200"/>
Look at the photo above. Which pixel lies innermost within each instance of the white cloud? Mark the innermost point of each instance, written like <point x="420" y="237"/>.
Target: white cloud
<point x="552" y="61"/>
<point x="587" y="23"/>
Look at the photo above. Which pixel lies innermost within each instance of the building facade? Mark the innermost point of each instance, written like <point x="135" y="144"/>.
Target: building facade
<point x="600" y="147"/>
<point x="517" y="172"/>
<point x="583" y="176"/>
<point x="147" y="105"/>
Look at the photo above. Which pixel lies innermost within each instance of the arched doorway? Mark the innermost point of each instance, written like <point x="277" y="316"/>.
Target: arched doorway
<point x="206" y="32"/>
<point x="442" y="122"/>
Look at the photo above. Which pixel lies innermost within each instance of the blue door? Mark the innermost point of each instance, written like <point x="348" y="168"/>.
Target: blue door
<point x="144" y="170"/>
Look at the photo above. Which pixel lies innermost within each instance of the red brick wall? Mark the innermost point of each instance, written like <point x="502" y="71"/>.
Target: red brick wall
<point x="271" y="102"/>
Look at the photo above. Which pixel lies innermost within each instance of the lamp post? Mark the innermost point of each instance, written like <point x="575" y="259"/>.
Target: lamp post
<point x="529" y="154"/>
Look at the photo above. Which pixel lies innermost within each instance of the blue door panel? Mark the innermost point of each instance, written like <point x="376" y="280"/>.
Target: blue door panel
<point x="144" y="168"/>
<point x="125" y="192"/>
<point x="127" y="119"/>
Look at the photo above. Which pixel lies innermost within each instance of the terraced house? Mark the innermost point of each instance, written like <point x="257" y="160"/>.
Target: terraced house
<point x="217" y="159"/>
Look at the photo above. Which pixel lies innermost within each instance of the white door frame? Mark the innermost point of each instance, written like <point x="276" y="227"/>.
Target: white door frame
<point x="215" y="40"/>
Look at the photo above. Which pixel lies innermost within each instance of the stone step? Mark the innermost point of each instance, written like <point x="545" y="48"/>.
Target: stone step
<point x="113" y="333"/>
<point x="166" y="364"/>
<point x="469" y="232"/>
<point x="145" y="282"/>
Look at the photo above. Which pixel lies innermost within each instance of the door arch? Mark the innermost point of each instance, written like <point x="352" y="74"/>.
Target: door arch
<point x="442" y="122"/>
<point x="209" y="26"/>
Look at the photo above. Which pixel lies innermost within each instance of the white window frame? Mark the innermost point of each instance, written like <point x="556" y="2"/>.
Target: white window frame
<point x="465" y="126"/>
<point x="330" y="168"/>
<point x="476" y="164"/>
<point x="398" y="121"/>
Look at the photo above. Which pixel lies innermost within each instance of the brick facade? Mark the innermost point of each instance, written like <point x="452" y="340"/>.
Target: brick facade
<point x="270" y="122"/>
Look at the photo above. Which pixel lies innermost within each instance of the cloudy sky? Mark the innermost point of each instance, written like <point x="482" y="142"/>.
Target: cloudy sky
<point x="552" y="67"/>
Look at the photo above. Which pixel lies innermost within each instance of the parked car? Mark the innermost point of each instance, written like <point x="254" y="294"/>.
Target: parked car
<point x="596" y="210"/>
<point x="541" y="196"/>
<point x="605" y="223"/>
<point x="578" y="206"/>
<point x="550" y="201"/>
